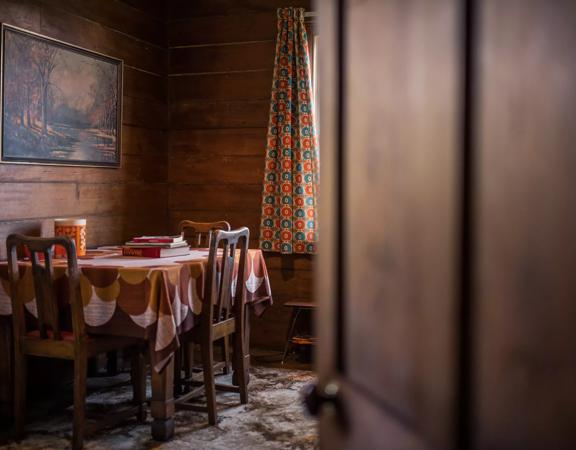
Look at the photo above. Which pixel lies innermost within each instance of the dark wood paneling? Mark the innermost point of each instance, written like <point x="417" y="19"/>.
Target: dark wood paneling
<point x="223" y="197"/>
<point x="222" y="58"/>
<point x="178" y="9"/>
<point x="149" y="168"/>
<point x="213" y="169"/>
<point x="117" y="15"/>
<point x="525" y="312"/>
<point x="291" y="284"/>
<point x="104" y="229"/>
<point x="219" y="105"/>
<point x="91" y="35"/>
<point x="46" y="199"/>
<point x="226" y="86"/>
<point x="21" y="13"/>
<point x="221" y="114"/>
<point x="156" y="8"/>
<point x="289" y="262"/>
<point x="144" y="85"/>
<point x="144" y="113"/>
<point x="222" y="141"/>
<point x="139" y="141"/>
<point x="222" y="29"/>
<point x="117" y="202"/>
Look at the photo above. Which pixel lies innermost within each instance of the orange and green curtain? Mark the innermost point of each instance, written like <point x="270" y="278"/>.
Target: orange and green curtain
<point x="291" y="172"/>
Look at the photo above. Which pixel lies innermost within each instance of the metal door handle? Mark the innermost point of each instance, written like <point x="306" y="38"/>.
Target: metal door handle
<point x="315" y="397"/>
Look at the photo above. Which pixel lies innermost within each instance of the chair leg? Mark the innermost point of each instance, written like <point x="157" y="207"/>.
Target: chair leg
<point x="241" y="366"/>
<point x="80" y="374"/>
<point x="188" y="350"/>
<point x="112" y="363"/>
<point x="225" y="346"/>
<point x="139" y="383"/>
<point x="20" y="382"/>
<point x="290" y="334"/>
<point x="209" y="386"/>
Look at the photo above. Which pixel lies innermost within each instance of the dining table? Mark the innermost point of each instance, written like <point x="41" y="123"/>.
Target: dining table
<point x="154" y="299"/>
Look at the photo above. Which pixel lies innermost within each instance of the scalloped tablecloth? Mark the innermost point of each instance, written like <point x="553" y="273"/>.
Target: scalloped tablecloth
<point x="150" y="298"/>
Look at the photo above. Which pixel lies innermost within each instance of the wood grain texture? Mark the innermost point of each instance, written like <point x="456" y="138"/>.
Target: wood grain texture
<point x="156" y="8"/>
<point x="211" y="170"/>
<point x="149" y="168"/>
<point x="219" y="197"/>
<point x="222" y="29"/>
<point x="144" y="113"/>
<point x="47" y="199"/>
<point x="104" y="229"/>
<point x="401" y="163"/>
<point x="178" y="9"/>
<point x="220" y="77"/>
<point x="116" y="15"/>
<point x="253" y="85"/>
<point x="117" y="202"/>
<point x="91" y="35"/>
<point x="144" y="85"/>
<point x="22" y="13"/>
<point x="219" y="114"/>
<point x="220" y="141"/>
<point x="524" y="319"/>
<point x="142" y="141"/>
<point x="222" y="58"/>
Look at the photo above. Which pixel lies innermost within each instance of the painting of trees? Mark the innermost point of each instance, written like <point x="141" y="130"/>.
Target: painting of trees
<point x="43" y="57"/>
<point x="60" y="104"/>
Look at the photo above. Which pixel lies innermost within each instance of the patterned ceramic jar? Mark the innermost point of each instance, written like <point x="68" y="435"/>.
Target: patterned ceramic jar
<point x="76" y="230"/>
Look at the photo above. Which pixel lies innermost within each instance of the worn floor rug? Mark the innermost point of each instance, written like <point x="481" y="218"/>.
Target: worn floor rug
<point x="273" y="419"/>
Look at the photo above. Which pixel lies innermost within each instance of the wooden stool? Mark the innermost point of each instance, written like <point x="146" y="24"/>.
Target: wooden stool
<point x="291" y="339"/>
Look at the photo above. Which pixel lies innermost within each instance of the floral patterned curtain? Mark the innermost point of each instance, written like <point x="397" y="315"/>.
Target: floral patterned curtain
<point x="291" y="171"/>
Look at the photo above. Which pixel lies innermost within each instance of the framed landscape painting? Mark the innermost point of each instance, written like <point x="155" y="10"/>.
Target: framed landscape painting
<point x="61" y="104"/>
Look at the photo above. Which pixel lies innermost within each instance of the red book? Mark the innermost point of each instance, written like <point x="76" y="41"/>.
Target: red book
<point x="158" y="239"/>
<point x="155" y="252"/>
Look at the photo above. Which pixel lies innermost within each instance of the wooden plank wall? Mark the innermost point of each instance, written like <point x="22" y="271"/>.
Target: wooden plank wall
<point x="117" y="202"/>
<point x="221" y="57"/>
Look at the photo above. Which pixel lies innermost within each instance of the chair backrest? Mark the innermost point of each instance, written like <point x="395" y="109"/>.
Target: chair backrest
<point x="221" y="301"/>
<point x="47" y="304"/>
<point x="198" y="234"/>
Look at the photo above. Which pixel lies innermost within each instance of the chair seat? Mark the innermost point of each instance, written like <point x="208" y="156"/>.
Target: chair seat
<point x="66" y="335"/>
<point x="68" y="347"/>
<point x="64" y="348"/>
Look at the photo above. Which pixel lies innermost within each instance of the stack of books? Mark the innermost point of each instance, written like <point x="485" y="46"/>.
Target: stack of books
<point x="156" y="246"/>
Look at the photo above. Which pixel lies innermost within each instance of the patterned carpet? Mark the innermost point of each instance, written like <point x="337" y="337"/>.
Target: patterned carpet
<point x="273" y="419"/>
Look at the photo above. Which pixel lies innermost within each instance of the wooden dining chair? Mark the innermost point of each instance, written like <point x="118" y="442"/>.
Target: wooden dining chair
<point x="198" y="235"/>
<point x="223" y="314"/>
<point x="54" y="338"/>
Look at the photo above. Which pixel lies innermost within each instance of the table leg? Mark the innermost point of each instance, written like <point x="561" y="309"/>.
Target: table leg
<point x="162" y="407"/>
